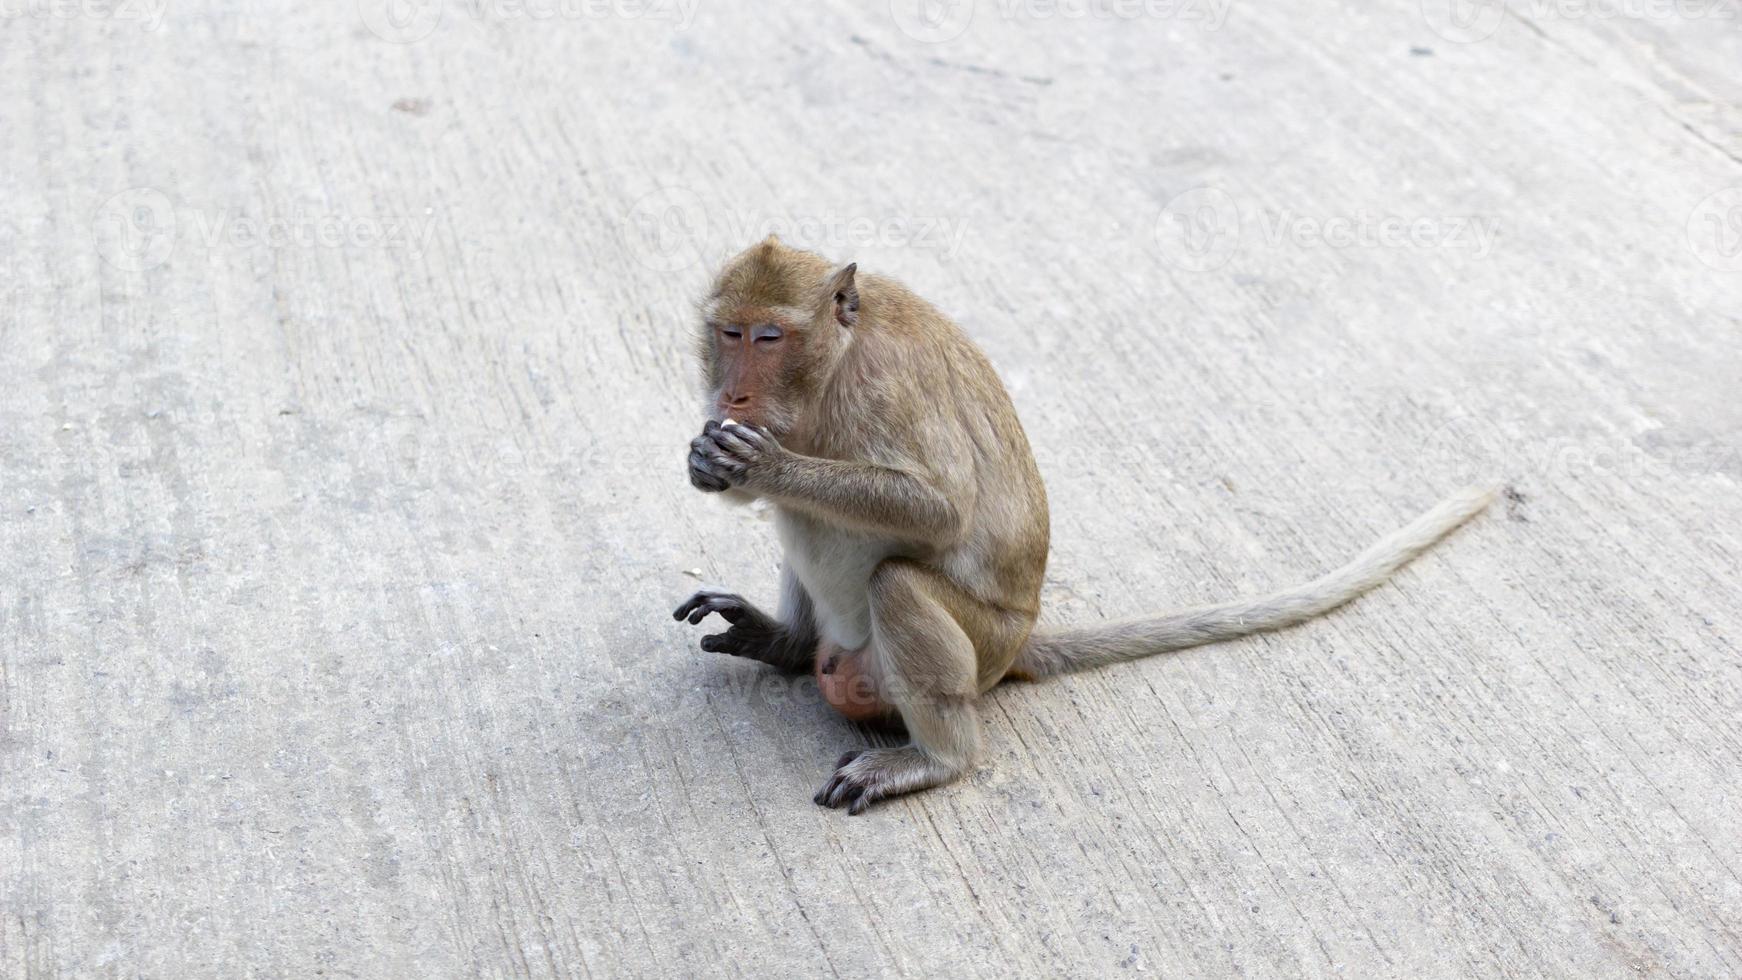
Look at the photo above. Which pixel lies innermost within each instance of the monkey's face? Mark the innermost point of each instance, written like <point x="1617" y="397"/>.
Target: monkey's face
<point x="759" y="369"/>
<point x="771" y="335"/>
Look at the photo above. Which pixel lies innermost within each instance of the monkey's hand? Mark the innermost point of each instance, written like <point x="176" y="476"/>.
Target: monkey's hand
<point x="752" y="632"/>
<point x="704" y="474"/>
<point x="743" y="454"/>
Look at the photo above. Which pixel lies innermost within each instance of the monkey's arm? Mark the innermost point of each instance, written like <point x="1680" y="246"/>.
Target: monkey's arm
<point x="788" y="643"/>
<point x="867" y="496"/>
<point x="863" y="495"/>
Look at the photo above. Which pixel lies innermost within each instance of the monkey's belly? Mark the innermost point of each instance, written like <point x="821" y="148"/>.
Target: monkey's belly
<point x="835" y="567"/>
<point x="848" y="686"/>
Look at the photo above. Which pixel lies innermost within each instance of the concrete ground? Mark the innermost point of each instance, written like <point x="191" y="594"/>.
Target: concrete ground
<point x="346" y="381"/>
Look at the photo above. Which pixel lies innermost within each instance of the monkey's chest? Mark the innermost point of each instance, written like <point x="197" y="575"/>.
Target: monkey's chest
<point x="835" y="567"/>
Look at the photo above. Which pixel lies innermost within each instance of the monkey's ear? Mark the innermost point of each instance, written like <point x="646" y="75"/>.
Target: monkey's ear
<point x="844" y="295"/>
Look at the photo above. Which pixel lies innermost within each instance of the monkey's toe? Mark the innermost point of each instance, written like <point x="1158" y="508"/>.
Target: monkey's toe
<point x="855" y="786"/>
<point x="871" y="775"/>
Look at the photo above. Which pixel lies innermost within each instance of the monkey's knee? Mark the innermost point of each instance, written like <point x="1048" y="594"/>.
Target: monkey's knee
<point x="924" y="650"/>
<point x="847" y="686"/>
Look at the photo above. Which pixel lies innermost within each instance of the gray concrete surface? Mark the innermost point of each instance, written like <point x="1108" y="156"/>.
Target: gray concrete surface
<point x="342" y="505"/>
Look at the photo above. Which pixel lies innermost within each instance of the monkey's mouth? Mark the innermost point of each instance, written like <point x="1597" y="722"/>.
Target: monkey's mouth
<point x="770" y="422"/>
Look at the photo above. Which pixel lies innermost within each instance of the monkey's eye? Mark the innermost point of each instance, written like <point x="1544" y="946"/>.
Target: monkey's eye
<point x="766" y="334"/>
<point x="731" y="332"/>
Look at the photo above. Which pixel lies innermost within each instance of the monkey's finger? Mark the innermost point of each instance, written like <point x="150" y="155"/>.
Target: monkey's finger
<point x="730" y="441"/>
<point x="702" y="476"/>
<point x="725" y="605"/>
<point x="753" y="435"/>
<point x="721" y="461"/>
<point x="709" y="426"/>
<point x="835" y="791"/>
<point x="702" y="458"/>
<point x="707" y="482"/>
<point x="730" y="608"/>
<point x="725" y="643"/>
<point x="860" y="799"/>
<point x="688" y="604"/>
<point x="828" y="791"/>
<point x="764" y="438"/>
<point x="849" y="789"/>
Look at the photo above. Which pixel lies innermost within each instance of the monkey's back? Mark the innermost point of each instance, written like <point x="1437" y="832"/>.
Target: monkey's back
<point x="926" y="376"/>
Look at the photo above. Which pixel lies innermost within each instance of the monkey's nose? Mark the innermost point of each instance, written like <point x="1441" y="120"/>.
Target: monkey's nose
<point x="737" y="401"/>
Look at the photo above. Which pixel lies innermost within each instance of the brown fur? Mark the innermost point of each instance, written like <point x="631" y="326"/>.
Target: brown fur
<point x="913" y="517"/>
<point x="886" y="429"/>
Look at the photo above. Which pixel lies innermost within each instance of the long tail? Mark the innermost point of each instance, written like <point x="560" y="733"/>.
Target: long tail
<point x="1063" y="651"/>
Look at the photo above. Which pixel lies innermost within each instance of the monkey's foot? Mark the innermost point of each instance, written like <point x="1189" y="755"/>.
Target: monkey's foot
<point x="862" y="778"/>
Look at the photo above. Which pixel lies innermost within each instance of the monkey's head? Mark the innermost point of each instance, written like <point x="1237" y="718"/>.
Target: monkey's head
<point x="774" y="326"/>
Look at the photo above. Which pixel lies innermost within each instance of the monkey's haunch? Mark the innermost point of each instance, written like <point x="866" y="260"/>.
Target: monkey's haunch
<point x="846" y="686"/>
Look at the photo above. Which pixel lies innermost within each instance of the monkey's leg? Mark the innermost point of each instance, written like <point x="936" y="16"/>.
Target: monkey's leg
<point x="927" y="670"/>
<point x="788" y="643"/>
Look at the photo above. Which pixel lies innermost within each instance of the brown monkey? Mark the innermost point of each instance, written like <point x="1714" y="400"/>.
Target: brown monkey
<point x="912" y="517"/>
